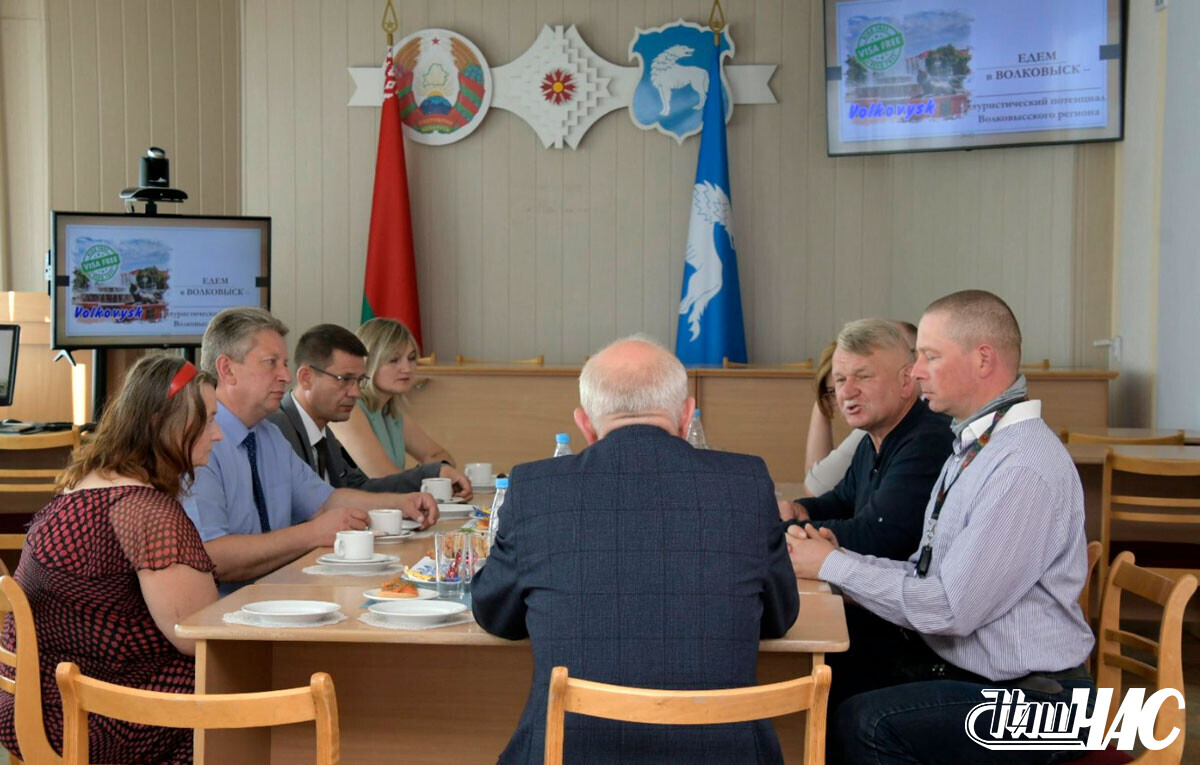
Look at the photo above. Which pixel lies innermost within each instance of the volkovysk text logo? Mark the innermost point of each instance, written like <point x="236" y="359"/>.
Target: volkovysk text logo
<point x="1057" y="726"/>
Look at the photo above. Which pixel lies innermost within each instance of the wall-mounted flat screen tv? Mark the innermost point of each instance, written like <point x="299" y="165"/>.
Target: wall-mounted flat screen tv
<point x="934" y="75"/>
<point x="133" y="281"/>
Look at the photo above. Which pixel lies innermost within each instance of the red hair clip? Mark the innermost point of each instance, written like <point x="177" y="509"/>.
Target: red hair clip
<point x="185" y="375"/>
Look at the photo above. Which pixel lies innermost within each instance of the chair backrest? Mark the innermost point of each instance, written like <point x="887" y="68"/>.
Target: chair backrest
<point x="643" y="705"/>
<point x="537" y="361"/>
<point x="1172" y="595"/>
<point x="34" y="480"/>
<point x="27" y="688"/>
<point x="1043" y="364"/>
<point x="1094" y="550"/>
<point x="1173" y="439"/>
<point x="1182" y="510"/>
<point x="429" y="360"/>
<point x="82" y="695"/>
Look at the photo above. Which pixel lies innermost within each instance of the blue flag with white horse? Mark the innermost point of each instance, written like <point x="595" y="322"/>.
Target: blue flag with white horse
<point x="710" y="311"/>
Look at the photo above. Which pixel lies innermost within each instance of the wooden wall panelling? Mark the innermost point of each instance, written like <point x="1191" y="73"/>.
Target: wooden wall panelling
<point x="524" y="250"/>
<point x="23" y="176"/>
<point x="42" y="392"/>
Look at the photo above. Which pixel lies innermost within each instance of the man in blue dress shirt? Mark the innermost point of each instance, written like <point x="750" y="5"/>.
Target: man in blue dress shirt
<point x="989" y="599"/>
<point x="256" y="504"/>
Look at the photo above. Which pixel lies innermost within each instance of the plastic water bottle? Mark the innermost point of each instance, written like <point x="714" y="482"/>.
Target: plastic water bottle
<point x="695" y="435"/>
<point x="562" y="445"/>
<point x="494" y="516"/>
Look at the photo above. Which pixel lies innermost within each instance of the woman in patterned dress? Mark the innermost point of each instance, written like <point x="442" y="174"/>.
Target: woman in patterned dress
<point x="112" y="563"/>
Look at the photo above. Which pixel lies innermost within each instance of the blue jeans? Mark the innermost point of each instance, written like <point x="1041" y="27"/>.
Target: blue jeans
<point x="923" y="722"/>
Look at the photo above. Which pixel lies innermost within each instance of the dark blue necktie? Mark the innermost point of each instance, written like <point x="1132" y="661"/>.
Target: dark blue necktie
<point x="260" y="499"/>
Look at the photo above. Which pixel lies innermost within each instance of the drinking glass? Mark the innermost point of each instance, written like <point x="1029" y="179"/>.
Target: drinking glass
<point x="455" y="561"/>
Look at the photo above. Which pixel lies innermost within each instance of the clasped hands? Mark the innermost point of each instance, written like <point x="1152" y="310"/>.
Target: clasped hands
<point x="808" y="547"/>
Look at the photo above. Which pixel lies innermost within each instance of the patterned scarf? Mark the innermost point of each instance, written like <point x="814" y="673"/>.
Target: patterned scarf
<point x="1016" y="392"/>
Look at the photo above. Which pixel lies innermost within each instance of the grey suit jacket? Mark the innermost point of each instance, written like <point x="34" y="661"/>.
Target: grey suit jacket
<point x="343" y="473"/>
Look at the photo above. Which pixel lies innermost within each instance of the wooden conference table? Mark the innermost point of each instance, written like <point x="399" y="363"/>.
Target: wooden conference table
<point x="453" y="694"/>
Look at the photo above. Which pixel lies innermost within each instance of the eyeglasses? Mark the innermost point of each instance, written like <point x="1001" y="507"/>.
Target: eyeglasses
<point x="343" y="380"/>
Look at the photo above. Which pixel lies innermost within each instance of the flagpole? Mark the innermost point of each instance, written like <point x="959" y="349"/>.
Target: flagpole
<point x="390" y="23"/>
<point x="716" y="21"/>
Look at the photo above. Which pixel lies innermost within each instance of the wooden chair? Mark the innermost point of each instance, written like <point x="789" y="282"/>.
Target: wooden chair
<point x="1094" y="550"/>
<point x="27" y="688"/>
<point x="429" y="360"/>
<point x="83" y="695"/>
<point x="1086" y="596"/>
<point x="34" y="480"/>
<point x="1173" y="596"/>
<point x="1171" y="559"/>
<point x="537" y="361"/>
<point x="30" y="480"/>
<point x="642" y="705"/>
<point x="1174" y="439"/>
<point x="1043" y="364"/>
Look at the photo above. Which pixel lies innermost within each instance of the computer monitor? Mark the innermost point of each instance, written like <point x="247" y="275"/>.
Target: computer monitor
<point x="10" y="335"/>
<point x="135" y="281"/>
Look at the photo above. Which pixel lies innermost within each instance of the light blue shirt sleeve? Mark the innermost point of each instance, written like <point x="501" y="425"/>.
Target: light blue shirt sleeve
<point x="205" y="502"/>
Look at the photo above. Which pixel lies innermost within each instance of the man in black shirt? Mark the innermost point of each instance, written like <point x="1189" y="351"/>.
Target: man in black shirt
<point x="878" y="508"/>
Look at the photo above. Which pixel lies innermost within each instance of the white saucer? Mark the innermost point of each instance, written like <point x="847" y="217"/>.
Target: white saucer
<point x="292" y="611"/>
<point x="392" y="539"/>
<point x="451" y="511"/>
<point x="375" y="597"/>
<point x="416" y="613"/>
<point x="375" y="562"/>
<point x="451" y="501"/>
<point x="409" y="524"/>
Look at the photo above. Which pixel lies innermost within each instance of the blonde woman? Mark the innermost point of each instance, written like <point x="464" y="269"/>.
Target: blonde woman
<point x="378" y="435"/>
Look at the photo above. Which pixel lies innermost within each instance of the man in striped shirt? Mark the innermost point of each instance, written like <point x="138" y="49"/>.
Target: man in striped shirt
<point x="989" y="599"/>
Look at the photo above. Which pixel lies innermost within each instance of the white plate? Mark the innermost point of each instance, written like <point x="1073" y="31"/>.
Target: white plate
<point x="378" y="559"/>
<point x="418" y="582"/>
<point x="452" y="501"/>
<point x="375" y="597"/>
<point x="417" y="612"/>
<point x="391" y="539"/>
<point x="409" y="525"/>
<point x="292" y="611"/>
<point x="455" y="511"/>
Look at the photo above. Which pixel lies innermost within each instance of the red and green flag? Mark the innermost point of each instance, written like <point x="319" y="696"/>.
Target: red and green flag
<point x="390" y="284"/>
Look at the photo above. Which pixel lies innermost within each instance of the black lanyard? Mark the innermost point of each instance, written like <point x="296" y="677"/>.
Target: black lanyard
<point x="972" y="450"/>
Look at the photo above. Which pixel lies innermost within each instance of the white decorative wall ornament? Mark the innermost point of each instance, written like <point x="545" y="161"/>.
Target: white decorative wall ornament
<point x="560" y="86"/>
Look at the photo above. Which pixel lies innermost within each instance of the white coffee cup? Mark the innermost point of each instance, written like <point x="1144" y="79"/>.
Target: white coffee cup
<point x="354" y="545"/>
<point x="441" y="488"/>
<point x="479" y="473"/>
<point x="387" y="520"/>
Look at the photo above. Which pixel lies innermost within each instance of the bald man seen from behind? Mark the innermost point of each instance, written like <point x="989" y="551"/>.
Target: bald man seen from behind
<point x="640" y="561"/>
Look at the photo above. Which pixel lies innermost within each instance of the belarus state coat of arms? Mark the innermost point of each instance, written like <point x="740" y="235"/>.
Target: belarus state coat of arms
<point x="444" y="86"/>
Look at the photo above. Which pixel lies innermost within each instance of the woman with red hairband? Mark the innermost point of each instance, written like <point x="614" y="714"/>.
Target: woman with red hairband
<point x="113" y="563"/>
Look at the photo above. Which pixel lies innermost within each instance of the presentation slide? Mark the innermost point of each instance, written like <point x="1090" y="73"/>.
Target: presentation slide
<point x="913" y="69"/>
<point x="7" y="336"/>
<point x="156" y="280"/>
